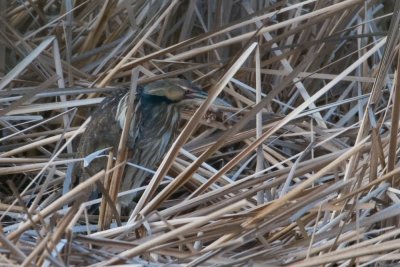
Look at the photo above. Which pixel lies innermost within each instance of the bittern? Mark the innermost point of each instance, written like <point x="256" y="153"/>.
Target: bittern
<point x="152" y="130"/>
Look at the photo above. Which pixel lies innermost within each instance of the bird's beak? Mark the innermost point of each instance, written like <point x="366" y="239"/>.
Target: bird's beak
<point x="196" y="94"/>
<point x="197" y="97"/>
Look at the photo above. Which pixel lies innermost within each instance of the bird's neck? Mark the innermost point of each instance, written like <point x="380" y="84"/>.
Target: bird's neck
<point x="154" y="100"/>
<point x="158" y="113"/>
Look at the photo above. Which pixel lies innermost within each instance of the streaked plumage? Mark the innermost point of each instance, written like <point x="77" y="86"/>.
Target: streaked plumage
<point x="152" y="130"/>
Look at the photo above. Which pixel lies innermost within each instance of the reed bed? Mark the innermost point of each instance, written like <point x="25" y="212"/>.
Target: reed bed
<point x="300" y="169"/>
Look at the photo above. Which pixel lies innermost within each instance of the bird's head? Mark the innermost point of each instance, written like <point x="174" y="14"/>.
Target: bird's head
<point x="174" y="90"/>
<point x="178" y="92"/>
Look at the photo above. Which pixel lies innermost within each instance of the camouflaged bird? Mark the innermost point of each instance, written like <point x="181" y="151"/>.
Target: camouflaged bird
<point x="152" y="130"/>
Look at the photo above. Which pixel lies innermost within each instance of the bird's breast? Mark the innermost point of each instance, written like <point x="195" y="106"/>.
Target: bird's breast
<point x="159" y="124"/>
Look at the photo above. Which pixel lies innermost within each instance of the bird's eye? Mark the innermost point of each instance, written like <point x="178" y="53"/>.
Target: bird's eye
<point x="184" y="88"/>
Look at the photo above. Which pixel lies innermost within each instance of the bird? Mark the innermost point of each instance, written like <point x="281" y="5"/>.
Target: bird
<point x="153" y="128"/>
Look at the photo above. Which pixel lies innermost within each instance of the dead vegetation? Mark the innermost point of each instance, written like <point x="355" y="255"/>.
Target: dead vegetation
<point x="301" y="170"/>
